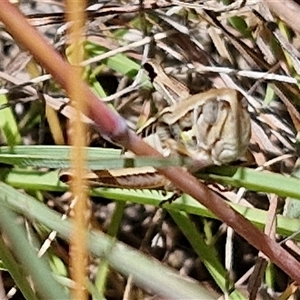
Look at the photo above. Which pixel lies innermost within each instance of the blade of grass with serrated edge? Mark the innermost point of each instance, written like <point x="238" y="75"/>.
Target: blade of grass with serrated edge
<point x="55" y="157"/>
<point x="39" y="180"/>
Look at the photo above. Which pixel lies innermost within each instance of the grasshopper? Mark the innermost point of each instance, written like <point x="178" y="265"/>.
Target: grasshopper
<point x="212" y="127"/>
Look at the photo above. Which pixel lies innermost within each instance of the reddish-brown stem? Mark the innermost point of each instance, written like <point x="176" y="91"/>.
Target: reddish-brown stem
<point x="113" y="127"/>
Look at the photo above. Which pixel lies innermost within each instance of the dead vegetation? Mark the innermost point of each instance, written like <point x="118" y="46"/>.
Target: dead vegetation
<point x="250" y="46"/>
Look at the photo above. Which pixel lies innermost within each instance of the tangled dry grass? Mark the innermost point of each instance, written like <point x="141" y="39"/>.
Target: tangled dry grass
<point x="251" y="46"/>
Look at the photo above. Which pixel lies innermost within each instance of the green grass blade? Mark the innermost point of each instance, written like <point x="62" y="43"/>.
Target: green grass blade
<point x="57" y="157"/>
<point x="103" y="271"/>
<point x="253" y="180"/>
<point x="8" y="124"/>
<point x="16" y="271"/>
<point x="48" y="181"/>
<point x="38" y="269"/>
<point x="145" y="271"/>
<point x="207" y="253"/>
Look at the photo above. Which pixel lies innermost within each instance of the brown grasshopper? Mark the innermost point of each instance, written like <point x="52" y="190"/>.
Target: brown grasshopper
<point x="211" y="128"/>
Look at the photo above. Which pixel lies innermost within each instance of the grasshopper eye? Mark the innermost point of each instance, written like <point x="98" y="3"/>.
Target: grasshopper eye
<point x="210" y="112"/>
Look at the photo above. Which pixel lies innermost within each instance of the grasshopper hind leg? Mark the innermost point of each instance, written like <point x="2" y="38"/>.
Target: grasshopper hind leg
<point x="176" y="194"/>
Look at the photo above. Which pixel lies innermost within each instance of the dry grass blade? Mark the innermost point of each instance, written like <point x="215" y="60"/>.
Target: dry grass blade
<point x="288" y="11"/>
